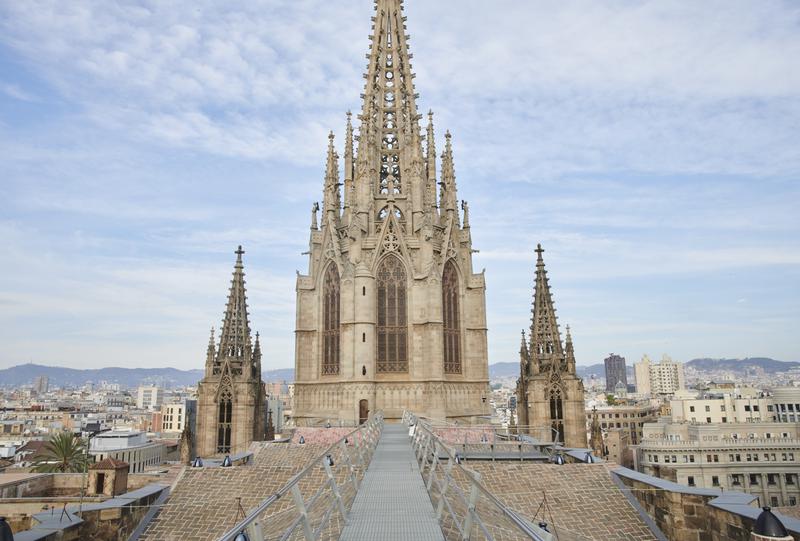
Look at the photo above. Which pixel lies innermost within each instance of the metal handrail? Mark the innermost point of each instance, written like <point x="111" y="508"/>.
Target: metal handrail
<point x="369" y="433"/>
<point x="476" y="487"/>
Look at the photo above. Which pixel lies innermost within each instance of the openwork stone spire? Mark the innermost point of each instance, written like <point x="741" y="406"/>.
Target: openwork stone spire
<point x="404" y="286"/>
<point x="235" y="334"/>
<point x="545" y="338"/>
<point x="389" y="120"/>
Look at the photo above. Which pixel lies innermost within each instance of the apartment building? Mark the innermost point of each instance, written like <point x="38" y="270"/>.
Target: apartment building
<point x="632" y="418"/>
<point x="761" y="458"/>
<point x="662" y="378"/>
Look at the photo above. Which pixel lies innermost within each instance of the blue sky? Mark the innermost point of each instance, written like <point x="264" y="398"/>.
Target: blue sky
<point x="651" y="147"/>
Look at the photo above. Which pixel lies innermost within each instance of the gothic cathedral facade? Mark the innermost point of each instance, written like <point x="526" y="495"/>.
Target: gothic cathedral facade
<point x="231" y="404"/>
<point x="549" y="393"/>
<point x="391" y="314"/>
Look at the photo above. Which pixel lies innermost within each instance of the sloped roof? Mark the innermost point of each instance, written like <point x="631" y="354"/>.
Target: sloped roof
<point x="35" y="447"/>
<point x="109" y="463"/>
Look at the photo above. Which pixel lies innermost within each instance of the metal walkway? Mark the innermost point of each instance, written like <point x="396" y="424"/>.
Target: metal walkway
<point x="392" y="502"/>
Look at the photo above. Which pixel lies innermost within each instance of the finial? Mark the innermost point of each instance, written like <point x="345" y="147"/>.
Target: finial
<point x="430" y="114"/>
<point x="539" y="252"/>
<point x="211" y="338"/>
<point x="447" y="135"/>
<point x="239" y="252"/>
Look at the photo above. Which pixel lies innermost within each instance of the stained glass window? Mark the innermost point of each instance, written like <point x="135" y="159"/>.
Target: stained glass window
<point x="330" y="315"/>
<point x="392" y="354"/>
<point x="452" y="329"/>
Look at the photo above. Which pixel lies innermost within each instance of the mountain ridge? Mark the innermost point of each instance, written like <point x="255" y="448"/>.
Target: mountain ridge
<point x="24" y="374"/>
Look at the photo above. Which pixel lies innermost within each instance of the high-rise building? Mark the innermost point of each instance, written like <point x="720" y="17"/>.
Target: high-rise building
<point x="231" y="397"/>
<point x="177" y="415"/>
<point x="41" y="384"/>
<point x="391" y="314"/>
<point x="149" y="397"/>
<point x="615" y="372"/>
<point x="662" y="378"/>
<point x="550" y="393"/>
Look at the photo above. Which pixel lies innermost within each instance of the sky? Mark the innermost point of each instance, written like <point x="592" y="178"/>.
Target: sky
<point x="652" y="147"/>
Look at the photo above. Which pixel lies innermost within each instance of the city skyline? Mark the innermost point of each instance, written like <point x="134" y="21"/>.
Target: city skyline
<point x="140" y="147"/>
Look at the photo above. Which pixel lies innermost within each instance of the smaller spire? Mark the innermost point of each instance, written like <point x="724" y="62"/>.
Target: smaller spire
<point x="524" y="357"/>
<point x="448" y="196"/>
<point x="569" y="352"/>
<point x="257" y="346"/>
<point x="431" y="163"/>
<point x="235" y="333"/>
<point x="211" y="351"/>
<point x="545" y="338"/>
<point x="349" y="162"/>
<point x="332" y="200"/>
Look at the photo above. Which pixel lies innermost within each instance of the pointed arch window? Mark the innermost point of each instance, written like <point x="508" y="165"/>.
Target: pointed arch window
<point x="392" y="353"/>
<point x="330" y="316"/>
<point x="224" y="421"/>
<point x="557" y="414"/>
<point x="450" y="313"/>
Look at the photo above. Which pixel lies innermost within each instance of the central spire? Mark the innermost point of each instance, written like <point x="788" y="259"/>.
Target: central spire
<point x="389" y="121"/>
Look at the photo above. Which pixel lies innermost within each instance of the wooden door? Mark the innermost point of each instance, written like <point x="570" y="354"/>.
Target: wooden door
<point x="363" y="411"/>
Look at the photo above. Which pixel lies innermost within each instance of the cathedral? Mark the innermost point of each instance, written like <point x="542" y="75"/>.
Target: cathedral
<point x="391" y="314"/>
<point x="549" y="393"/>
<point x="231" y="402"/>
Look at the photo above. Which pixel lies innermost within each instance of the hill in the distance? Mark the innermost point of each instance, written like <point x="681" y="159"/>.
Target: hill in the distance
<point x="770" y="366"/>
<point x="127" y="377"/>
<point x="24" y="374"/>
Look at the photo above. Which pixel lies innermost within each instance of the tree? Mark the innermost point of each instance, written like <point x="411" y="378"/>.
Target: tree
<point x="611" y="400"/>
<point x="64" y="453"/>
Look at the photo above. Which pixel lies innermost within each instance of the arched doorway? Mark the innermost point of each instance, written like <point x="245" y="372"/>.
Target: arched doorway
<point x="363" y="411"/>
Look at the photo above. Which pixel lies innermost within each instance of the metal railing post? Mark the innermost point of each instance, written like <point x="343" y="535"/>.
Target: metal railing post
<point x="254" y="531"/>
<point x="350" y="466"/>
<point x="301" y="507"/>
<point x="358" y="445"/>
<point x="473" y="501"/>
<point x="424" y="453"/>
<point x="443" y="489"/>
<point x="335" y="489"/>
<point x="432" y="470"/>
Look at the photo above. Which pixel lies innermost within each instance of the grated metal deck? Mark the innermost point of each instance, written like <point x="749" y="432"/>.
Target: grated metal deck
<point x="392" y="502"/>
